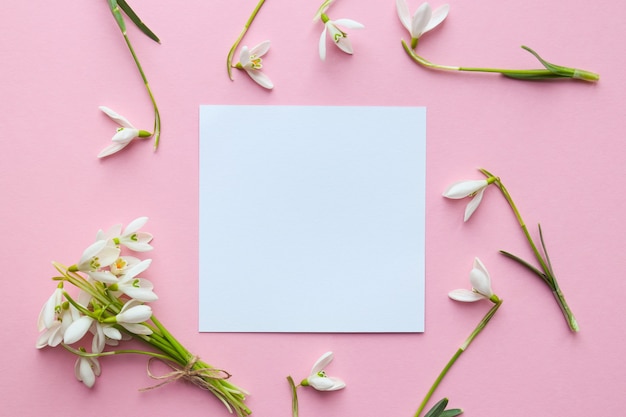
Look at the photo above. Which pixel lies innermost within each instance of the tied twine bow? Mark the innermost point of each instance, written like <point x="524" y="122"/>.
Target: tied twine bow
<point x="200" y="377"/>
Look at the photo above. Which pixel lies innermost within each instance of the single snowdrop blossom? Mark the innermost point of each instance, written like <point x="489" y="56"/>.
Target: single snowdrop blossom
<point x="97" y="256"/>
<point x="481" y="286"/>
<point x="250" y="61"/>
<point x="131" y="237"/>
<point x="124" y="135"/>
<point x="318" y="378"/>
<point x="87" y="369"/>
<point x="338" y="36"/>
<point x="470" y="188"/>
<point x="481" y="290"/>
<point x="424" y="19"/>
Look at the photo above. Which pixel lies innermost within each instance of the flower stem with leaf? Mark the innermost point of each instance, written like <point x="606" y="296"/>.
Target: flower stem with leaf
<point x="551" y="71"/>
<point x="546" y="273"/>
<point x="115" y="6"/>
<point x="479" y="328"/>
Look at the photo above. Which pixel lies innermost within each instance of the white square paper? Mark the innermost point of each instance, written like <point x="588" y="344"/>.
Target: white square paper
<point x="312" y="219"/>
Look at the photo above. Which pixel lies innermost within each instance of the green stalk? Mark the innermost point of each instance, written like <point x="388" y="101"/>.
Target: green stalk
<point x="550" y="71"/>
<point x="231" y="52"/>
<point x="546" y="273"/>
<point x="294" y="396"/>
<point x="481" y="325"/>
<point x="120" y="22"/>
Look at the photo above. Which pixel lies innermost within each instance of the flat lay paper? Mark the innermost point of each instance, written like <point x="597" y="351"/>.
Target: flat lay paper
<point x="312" y="219"/>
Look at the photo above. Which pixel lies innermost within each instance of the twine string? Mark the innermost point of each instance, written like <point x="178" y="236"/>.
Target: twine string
<point x="200" y="377"/>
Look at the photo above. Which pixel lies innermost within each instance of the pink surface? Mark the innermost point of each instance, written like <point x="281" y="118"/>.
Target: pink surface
<point x="559" y="147"/>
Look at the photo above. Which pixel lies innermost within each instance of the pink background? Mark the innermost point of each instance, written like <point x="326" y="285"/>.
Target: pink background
<point x="559" y="147"/>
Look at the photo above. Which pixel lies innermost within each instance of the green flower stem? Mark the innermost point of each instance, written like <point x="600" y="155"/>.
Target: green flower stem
<point x="550" y="72"/>
<point x="497" y="303"/>
<point x="157" y="117"/>
<point x="546" y="273"/>
<point x="294" y="396"/>
<point x="231" y="52"/>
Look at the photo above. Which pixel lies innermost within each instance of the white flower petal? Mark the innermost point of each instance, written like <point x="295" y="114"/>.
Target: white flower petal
<point x="326" y="383"/>
<point x="244" y="55"/>
<point x="420" y="20"/>
<point x="77" y="330"/>
<point x="322" y="362"/>
<point x="322" y="44"/>
<point x="438" y="16"/>
<point x="473" y="204"/>
<point x="136" y="270"/>
<point x="404" y="14"/>
<point x="349" y="23"/>
<point x="119" y="119"/>
<point x="465" y="295"/>
<point x="261" y="49"/>
<point x="135" y="314"/>
<point x="260" y="78"/>
<point x="112" y="148"/>
<point x="480" y="280"/>
<point x="135" y="225"/>
<point x="464" y="189"/>
<point x="137" y="328"/>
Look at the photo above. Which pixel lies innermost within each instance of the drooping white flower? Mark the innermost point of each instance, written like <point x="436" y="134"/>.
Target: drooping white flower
<point x="250" y="61"/>
<point x="131" y="237"/>
<point x="97" y="256"/>
<point x="132" y="314"/>
<point x="481" y="285"/>
<point x="424" y="19"/>
<point x="123" y="264"/>
<point x="318" y="378"/>
<point x="339" y="37"/>
<point x="469" y="188"/>
<point x="86" y="370"/>
<point x="124" y="135"/>
<point x="50" y="309"/>
<point x="53" y="335"/>
<point x="137" y="288"/>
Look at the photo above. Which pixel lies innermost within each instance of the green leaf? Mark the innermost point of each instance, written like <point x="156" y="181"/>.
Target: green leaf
<point x="527" y="265"/>
<point x="453" y="412"/>
<point x="137" y="21"/>
<point x="437" y="409"/>
<point x="556" y="69"/>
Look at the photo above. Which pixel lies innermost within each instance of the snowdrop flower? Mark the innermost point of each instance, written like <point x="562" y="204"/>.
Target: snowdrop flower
<point x="53" y="335"/>
<point x="48" y="314"/>
<point x="318" y="378"/>
<point x="422" y="21"/>
<point x="124" y="135"/>
<point x="97" y="256"/>
<point x="131" y="237"/>
<point x="138" y="288"/>
<point x="123" y="264"/>
<point x="481" y="286"/>
<point x="339" y="37"/>
<point x="250" y="61"/>
<point x="132" y="314"/>
<point x="470" y="188"/>
<point x="86" y="370"/>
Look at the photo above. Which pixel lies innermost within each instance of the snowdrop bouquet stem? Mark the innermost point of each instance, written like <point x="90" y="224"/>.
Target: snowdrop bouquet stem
<point x="231" y="52"/>
<point x="551" y="71"/>
<point x="117" y="14"/>
<point x="111" y="304"/>
<point x="545" y="271"/>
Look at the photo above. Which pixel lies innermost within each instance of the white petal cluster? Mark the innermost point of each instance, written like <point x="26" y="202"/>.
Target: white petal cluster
<point x="424" y="19"/>
<point x="251" y="62"/>
<point x="481" y="285"/>
<point x="335" y="31"/>
<point x="124" y="134"/>
<point x="319" y="380"/>
<point x="110" y="305"/>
